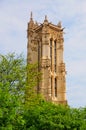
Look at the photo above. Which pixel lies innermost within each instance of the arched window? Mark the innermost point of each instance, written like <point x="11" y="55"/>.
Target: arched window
<point x="55" y="57"/>
<point x="51" y="86"/>
<point x="55" y="87"/>
<point x="51" y="52"/>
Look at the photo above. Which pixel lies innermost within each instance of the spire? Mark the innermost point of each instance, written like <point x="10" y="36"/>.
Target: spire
<point x="45" y="17"/>
<point x="46" y="20"/>
<point x="31" y="16"/>
<point x="31" y="22"/>
<point x="36" y="24"/>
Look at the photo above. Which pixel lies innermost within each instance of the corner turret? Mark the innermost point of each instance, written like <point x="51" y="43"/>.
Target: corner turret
<point x="31" y="23"/>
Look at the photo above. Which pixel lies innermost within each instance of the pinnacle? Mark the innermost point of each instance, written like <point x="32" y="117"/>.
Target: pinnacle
<point x="59" y="24"/>
<point x="31" y="16"/>
<point x="46" y="20"/>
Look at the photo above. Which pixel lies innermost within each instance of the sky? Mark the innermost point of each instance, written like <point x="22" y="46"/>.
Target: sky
<point x="14" y="16"/>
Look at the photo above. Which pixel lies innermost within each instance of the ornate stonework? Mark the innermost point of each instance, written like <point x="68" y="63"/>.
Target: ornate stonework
<point x="45" y="47"/>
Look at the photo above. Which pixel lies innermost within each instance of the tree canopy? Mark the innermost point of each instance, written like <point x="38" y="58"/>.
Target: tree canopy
<point x="12" y="70"/>
<point x="22" y="109"/>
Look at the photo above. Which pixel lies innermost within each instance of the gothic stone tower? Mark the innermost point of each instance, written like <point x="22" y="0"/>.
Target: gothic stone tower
<point x="45" y="47"/>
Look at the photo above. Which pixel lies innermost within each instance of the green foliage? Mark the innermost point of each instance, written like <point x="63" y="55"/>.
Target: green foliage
<point x="33" y="78"/>
<point x="12" y="70"/>
<point x="10" y="107"/>
<point x="22" y="109"/>
<point x="12" y="84"/>
<point x="48" y="116"/>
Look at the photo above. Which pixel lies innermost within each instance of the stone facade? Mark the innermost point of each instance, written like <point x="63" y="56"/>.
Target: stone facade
<point x="45" y="47"/>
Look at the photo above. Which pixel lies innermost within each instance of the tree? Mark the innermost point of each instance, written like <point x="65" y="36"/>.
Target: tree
<point x="13" y="70"/>
<point x="22" y="109"/>
<point x="15" y="89"/>
<point x="12" y="85"/>
<point x="48" y="116"/>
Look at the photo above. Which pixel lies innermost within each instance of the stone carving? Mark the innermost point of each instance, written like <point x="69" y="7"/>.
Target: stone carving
<point x="34" y="48"/>
<point x="62" y="68"/>
<point x="45" y="63"/>
<point x="53" y="71"/>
